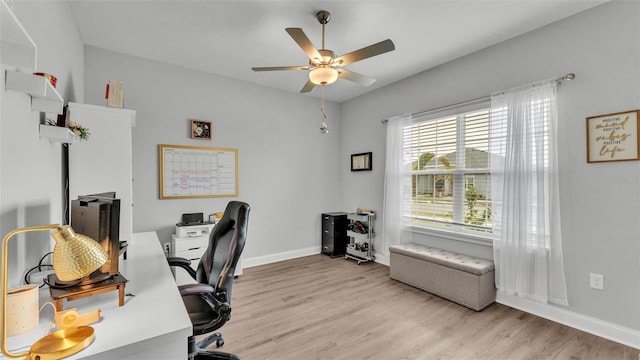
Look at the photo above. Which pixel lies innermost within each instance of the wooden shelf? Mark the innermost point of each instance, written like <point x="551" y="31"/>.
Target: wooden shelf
<point x="57" y="134"/>
<point x="17" y="49"/>
<point x="44" y="97"/>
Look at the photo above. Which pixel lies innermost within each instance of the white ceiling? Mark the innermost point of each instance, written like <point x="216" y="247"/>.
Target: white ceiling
<point x="229" y="37"/>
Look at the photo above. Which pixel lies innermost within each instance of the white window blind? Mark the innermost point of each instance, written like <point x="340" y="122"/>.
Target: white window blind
<point x="451" y="184"/>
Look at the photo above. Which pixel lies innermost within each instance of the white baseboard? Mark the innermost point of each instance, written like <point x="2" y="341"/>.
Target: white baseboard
<point x="613" y="332"/>
<point x="287" y="255"/>
<point x="382" y="259"/>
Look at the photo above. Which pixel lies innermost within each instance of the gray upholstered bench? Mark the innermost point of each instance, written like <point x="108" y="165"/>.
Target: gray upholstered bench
<point x="463" y="279"/>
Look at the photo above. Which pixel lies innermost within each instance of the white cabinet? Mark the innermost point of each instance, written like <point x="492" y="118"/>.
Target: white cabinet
<point x="103" y="163"/>
<point x="191" y="248"/>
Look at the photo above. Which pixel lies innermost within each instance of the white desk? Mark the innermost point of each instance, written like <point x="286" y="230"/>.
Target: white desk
<point x="153" y="324"/>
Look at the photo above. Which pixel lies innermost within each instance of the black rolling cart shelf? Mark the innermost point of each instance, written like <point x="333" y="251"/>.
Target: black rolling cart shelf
<point x="361" y="233"/>
<point x="334" y="233"/>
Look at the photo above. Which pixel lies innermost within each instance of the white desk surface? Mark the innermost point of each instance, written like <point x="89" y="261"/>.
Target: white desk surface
<point x="153" y="324"/>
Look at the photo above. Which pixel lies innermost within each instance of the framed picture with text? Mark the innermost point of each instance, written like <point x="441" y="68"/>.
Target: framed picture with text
<point x="360" y="162"/>
<point x="201" y="129"/>
<point x="613" y="137"/>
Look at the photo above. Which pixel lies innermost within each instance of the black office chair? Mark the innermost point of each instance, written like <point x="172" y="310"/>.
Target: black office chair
<point x="208" y="301"/>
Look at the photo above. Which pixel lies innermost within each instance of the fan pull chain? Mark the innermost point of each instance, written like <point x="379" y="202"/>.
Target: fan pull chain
<point x="324" y="128"/>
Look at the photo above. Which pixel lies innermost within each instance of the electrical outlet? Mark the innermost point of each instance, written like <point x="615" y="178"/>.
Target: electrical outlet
<point x="167" y="249"/>
<point x="596" y="281"/>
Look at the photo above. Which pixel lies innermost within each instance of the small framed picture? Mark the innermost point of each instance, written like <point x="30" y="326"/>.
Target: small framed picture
<point x="201" y="129"/>
<point x="613" y="137"/>
<point x="360" y="162"/>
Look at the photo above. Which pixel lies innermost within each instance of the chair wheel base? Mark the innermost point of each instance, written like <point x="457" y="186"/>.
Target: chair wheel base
<point x="198" y="353"/>
<point x="213" y="355"/>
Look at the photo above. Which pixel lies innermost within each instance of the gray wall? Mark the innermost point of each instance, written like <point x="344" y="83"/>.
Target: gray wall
<point x="287" y="169"/>
<point x="600" y="203"/>
<point x="30" y="168"/>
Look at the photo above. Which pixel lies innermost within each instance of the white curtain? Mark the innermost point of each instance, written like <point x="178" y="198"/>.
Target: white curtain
<point x="397" y="186"/>
<point x="524" y="177"/>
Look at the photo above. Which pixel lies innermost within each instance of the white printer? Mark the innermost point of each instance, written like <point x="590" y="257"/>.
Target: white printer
<point x="192" y="225"/>
<point x="193" y="230"/>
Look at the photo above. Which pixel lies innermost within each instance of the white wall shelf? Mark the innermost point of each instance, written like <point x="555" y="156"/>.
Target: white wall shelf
<point x="44" y="97"/>
<point x="16" y="46"/>
<point x="57" y="134"/>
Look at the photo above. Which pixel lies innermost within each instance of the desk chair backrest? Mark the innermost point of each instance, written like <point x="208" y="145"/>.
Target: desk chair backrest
<point x="226" y="242"/>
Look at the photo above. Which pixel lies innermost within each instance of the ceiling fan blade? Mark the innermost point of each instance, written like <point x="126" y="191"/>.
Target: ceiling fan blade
<point x="366" y="52"/>
<point x="303" y="41"/>
<point x="277" y="68"/>
<point x="355" y="77"/>
<point x="307" y="87"/>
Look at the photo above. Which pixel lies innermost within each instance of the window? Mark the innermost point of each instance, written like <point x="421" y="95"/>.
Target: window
<point x="451" y="182"/>
<point x="469" y="182"/>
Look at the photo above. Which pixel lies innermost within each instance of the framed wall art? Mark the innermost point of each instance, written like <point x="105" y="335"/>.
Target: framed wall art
<point x="201" y="129"/>
<point x="613" y="137"/>
<point x="360" y="162"/>
<point x="197" y="172"/>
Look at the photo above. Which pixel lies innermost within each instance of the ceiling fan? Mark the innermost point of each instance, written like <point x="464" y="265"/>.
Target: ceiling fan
<point x="324" y="65"/>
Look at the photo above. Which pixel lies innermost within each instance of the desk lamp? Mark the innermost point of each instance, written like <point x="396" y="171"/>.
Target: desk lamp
<point x="74" y="256"/>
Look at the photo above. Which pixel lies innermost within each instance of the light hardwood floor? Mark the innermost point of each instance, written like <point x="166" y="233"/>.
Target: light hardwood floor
<point x="317" y="307"/>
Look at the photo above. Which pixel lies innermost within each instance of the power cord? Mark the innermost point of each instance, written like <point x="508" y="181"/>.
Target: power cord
<point x="45" y="281"/>
<point x="39" y="267"/>
<point x="23" y="348"/>
<point x="52" y="319"/>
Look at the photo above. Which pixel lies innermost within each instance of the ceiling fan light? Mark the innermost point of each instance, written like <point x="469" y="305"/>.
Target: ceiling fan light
<point x="323" y="75"/>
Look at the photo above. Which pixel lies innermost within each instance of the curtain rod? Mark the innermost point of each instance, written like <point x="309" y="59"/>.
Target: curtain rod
<point x="568" y="77"/>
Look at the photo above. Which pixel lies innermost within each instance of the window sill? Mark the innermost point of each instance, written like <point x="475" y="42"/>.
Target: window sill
<point x="454" y="235"/>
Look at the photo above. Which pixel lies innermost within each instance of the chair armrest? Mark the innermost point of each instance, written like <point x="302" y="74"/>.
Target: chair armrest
<point x="217" y="301"/>
<point x="183" y="263"/>
<point x="196" y="289"/>
<point x="178" y="261"/>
